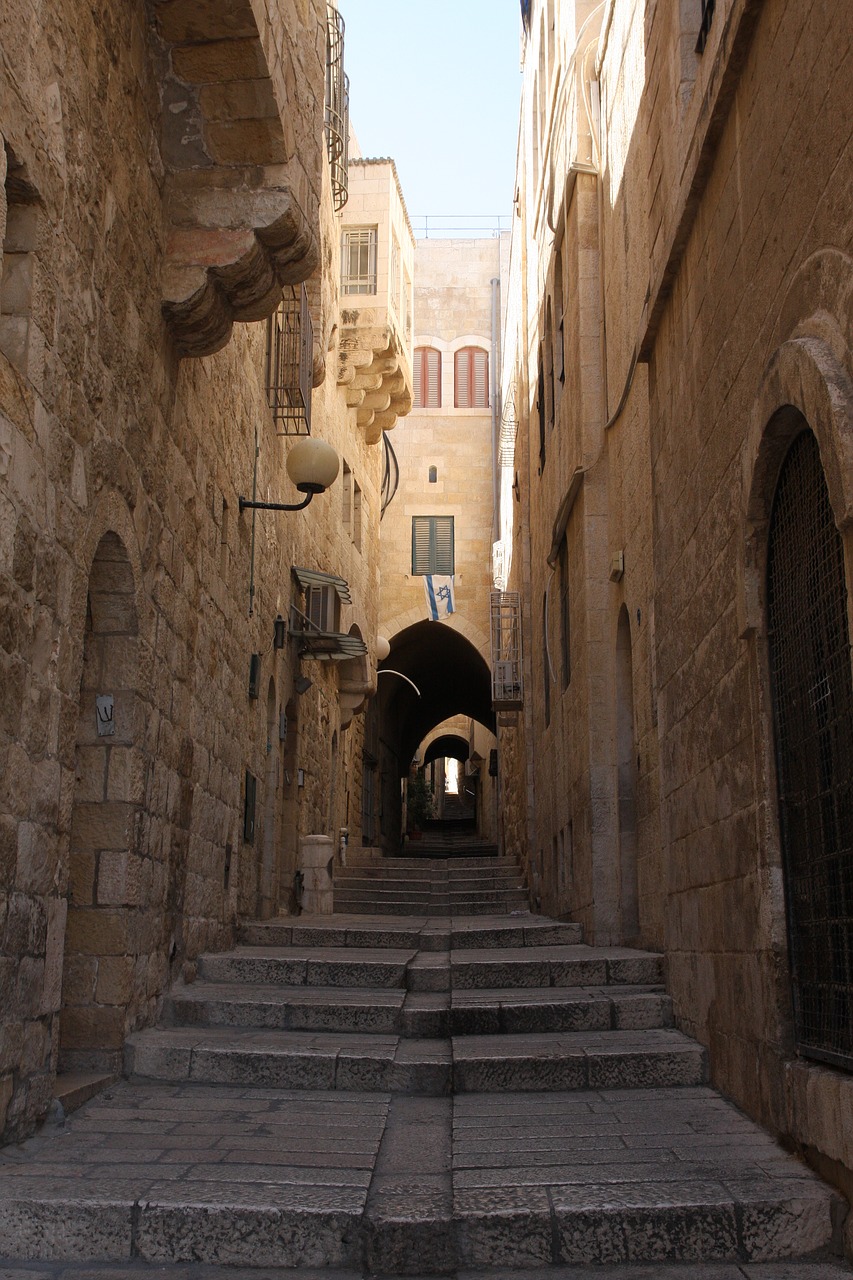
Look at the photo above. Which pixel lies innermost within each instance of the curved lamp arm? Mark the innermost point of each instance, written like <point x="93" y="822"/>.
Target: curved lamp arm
<point x="386" y="671"/>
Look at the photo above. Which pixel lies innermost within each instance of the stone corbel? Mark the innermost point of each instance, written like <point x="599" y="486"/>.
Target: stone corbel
<point x="240" y="201"/>
<point x="372" y="368"/>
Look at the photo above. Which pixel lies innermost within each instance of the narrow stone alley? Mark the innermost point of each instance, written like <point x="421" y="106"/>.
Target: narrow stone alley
<point x="415" y="1094"/>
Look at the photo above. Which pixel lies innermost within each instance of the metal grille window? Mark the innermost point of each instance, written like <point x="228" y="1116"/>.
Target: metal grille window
<point x="358" y="260"/>
<point x="705" y="26"/>
<point x="337" y="108"/>
<point x="505" y="619"/>
<point x="427" y="378"/>
<point x="809" y="647"/>
<point x="472" y="378"/>
<point x="290" y="355"/>
<point x="432" y="544"/>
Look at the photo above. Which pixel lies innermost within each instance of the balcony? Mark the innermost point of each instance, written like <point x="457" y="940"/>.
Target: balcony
<point x="377" y="267"/>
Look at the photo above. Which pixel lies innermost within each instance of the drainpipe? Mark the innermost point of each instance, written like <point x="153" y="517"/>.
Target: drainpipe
<point x="494" y="396"/>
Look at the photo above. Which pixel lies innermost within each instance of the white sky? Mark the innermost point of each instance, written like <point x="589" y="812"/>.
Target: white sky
<point x="436" y="86"/>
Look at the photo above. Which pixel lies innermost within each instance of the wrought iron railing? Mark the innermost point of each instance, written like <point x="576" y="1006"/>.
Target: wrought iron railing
<point x="337" y="107"/>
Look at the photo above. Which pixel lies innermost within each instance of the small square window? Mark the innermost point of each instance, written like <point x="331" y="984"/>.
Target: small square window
<point x="358" y="260"/>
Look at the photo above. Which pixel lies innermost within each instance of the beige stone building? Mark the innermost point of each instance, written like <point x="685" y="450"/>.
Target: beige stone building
<point x="678" y="382"/>
<point x="440" y="525"/>
<point x="172" y="320"/>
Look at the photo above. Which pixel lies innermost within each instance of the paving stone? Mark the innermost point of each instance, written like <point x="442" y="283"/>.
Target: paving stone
<point x="300" y="1124"/>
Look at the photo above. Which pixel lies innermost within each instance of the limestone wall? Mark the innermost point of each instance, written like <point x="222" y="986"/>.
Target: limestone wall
<point x="705" y="248"/>
<point x="125" y="564"/>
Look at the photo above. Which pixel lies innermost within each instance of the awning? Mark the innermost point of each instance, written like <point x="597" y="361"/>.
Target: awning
<point x="311" y="578"/>
<point x="333" y="645"/>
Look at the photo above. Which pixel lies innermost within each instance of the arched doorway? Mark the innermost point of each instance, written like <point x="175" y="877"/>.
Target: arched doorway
<point x="626" y="786"/>
<point x="809" y="653"/>
<point x="105" y="866"/>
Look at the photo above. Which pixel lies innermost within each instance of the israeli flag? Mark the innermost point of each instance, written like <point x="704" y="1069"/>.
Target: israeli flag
<point x="439" y="595"/>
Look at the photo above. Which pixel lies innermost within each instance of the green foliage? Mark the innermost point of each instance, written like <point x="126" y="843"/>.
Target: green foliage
<point x="419" y="803"/>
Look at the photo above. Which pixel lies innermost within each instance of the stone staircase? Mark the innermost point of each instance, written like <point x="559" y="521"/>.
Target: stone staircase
<point x="416" y="1096"/>
<point x="431" y="883"/>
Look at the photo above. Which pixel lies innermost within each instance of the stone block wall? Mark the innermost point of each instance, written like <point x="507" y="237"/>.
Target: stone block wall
<point x="125" y="563"/>
<point x="716" y="300"/>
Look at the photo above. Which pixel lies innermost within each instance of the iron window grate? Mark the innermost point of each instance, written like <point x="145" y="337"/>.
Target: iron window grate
<point x="358" y="260"/>
<point x="813" y="718"/>
<point x="290" y="356"/>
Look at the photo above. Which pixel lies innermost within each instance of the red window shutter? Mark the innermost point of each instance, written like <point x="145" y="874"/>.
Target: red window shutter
<point x="433" y="378"/>
<point x="427" y="378"/>
<point x="480" y="361"/>
<point x="463" y="379"/>
<point x="472" y="378"/>
<point x="417" y="378"/>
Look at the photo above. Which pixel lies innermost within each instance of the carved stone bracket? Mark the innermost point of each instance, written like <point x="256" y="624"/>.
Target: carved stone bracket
<point x="241" y="92"/>
<point x="375" y="373"/>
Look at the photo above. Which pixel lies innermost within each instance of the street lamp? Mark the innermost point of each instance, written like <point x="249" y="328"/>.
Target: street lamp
<point x="313" y="466"/>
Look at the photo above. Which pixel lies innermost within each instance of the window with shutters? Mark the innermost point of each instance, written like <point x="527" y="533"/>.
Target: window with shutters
<point x="432" y="544"/>
<point x="358" y="260"/>
<point x="323" y="607"/>
<point x="427" y="378"/>
<point x="472" y="378"/>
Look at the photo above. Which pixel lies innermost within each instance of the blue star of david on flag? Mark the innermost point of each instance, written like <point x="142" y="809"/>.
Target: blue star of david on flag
<point x="439" y="595"/>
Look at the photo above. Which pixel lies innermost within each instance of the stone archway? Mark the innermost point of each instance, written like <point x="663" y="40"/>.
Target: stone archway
<point x="105" y="866"/>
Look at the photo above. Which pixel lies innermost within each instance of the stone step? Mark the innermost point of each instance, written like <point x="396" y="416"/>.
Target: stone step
<point x="136" y="1269"/>
<point x="310" y="966"/>
<point x="327" y="1060"/>
<point x="429" y="874"/>
<point x="415" y="1186"/>
<point x="427" y="1015"/>
<point x="443" y="892"/>
<point x="377" y="903"/>
<point x="424" y="934"/>
<point x="576" y="965"/>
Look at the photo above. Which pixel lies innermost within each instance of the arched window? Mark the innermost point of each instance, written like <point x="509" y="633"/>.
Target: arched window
<point x="472" y="378"/>
<point x="427" y="378"/>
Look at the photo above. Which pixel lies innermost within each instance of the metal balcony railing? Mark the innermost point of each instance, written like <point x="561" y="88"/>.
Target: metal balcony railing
<point x="337" y="108"/>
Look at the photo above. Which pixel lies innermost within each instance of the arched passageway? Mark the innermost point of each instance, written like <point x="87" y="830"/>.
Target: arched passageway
<point x="451" y="678"/>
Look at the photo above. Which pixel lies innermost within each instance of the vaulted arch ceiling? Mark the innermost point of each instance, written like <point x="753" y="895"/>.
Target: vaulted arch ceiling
<point x="452" y="679"/>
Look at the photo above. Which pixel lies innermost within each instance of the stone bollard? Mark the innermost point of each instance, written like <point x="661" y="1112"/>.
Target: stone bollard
<point x="316" y="861"/>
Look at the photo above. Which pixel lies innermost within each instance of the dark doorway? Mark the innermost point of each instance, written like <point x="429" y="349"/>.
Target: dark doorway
<point x="809" y="648"/>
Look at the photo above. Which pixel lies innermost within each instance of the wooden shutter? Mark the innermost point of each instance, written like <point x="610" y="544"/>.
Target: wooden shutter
<point x="432" y="544"/>
<point x="421" y="544"/>
<point x="433" y="377"/>
<point x="463" y="379"/>
<point x="443" y="546"/>
<point x="472" y="378"/>
<point x="417" y="378"/>
<point x="480" y="361"/>
<point x="427" y="378"/>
